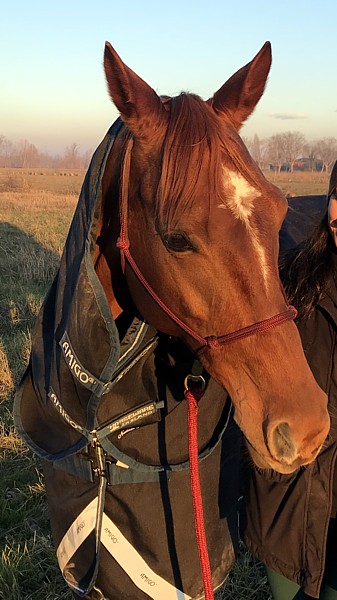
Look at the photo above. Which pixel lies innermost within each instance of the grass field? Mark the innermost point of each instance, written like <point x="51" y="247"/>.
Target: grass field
<point x="300" y="183"/>
<point x="33" y="226"/>
<point x="35" y="213"/>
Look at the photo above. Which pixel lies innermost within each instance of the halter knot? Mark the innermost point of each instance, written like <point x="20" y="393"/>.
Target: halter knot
<point x="293" y="311"/>
<point x="123" y="244"/>
<point x="213" y="342"/>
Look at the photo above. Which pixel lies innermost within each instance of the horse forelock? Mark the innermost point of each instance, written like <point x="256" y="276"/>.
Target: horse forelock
<point x="195" y="147"/>
<point x="191" y="142"/>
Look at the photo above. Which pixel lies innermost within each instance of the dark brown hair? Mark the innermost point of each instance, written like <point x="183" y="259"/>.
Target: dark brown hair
<point x="307" y="270"/>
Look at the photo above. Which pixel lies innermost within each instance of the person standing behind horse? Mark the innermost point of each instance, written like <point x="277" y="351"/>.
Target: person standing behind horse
<point x="290" y="523"/>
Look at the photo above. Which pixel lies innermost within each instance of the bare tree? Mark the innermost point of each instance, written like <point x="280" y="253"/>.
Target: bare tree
<point x="327" y="151"/>
<point x="71" y="158"/>
<point x="275" y="151"/>
<point x="27" y="155"/>
<point x="293" y="143"/>
<point x="285" y="148"/>
<point x="311" y="151"/>
<point x="257" y="149"/>
<point x="6" y="150"/>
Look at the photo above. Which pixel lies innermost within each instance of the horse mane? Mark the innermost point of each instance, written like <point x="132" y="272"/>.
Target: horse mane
<point x="195" y="138"/>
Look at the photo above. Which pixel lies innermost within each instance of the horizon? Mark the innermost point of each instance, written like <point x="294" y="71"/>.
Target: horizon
<point x="53" y="84"/>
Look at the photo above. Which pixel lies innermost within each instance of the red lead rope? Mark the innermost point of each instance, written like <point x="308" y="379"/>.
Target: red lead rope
<point x="193" y="451"/>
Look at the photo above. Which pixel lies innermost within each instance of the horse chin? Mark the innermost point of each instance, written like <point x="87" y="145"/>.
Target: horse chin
<point x="266" y="463"/>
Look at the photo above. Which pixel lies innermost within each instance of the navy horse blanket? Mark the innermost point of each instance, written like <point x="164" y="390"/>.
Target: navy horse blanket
<point x="107" y="415"/>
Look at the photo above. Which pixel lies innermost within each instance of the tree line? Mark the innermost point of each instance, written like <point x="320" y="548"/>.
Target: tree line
<point x="25" y="155"/>
<point x="291" y="150"/>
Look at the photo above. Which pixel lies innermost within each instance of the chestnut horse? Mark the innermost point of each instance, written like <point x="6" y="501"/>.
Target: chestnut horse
<point x="203" y="225"/>
<point x="169" y="278"/>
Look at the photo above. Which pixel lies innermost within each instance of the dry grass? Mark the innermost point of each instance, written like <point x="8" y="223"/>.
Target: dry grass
<point x="33" y="226"/>
<point x="35" y="212"/>
<point x="6" y="381"/>
<point x="300" y="183"/>
<point x="56" y="182"/>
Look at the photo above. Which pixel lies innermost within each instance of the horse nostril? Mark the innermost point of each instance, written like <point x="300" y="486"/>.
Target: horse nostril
<point x="281" y="445"/>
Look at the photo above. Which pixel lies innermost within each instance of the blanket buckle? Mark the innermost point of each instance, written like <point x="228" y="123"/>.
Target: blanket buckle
<point x="99" y="460"/>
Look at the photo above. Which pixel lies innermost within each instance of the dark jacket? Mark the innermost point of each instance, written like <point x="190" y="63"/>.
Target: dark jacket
<point x="287" y="516"/>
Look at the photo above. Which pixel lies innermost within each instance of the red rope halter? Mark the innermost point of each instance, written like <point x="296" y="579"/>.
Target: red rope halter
<point x="211" y="341"/>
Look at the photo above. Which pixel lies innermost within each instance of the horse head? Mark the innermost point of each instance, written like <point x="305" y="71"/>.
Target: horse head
<point x="203" y="225"/>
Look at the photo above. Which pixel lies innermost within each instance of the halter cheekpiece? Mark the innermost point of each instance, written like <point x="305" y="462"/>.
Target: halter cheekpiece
<point x="212" y="341"/>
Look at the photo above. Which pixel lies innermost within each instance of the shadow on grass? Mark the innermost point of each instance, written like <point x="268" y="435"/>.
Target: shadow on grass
<point x="28" y="567"/>
<point x="27" y="269"/>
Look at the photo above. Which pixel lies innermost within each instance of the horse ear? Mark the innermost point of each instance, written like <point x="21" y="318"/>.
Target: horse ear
<point x="238" y="97"/>
<point x="139" y="105"/>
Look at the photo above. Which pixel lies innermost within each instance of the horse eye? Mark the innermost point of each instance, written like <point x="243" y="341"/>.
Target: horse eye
<point x="177" y="242"/>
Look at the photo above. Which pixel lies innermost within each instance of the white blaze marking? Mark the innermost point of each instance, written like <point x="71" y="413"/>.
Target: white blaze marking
<point x="240" y="200"/>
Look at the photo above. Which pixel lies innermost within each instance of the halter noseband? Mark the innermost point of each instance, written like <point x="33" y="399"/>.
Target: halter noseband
<point x="212" y="341"/>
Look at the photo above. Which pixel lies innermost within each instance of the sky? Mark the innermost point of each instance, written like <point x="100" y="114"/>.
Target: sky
<point x="52" y="84"/>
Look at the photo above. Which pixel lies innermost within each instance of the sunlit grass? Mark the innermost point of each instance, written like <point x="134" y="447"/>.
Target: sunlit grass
<point x="29" y="571"/>
<point x="33" y="227"/>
